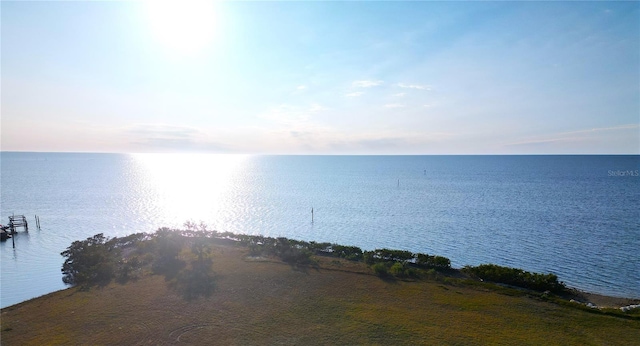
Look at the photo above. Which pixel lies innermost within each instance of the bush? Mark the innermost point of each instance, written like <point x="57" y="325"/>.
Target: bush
<point x="296" y="256"/>
<point x="128" y="269"/>
<point x="352" y="253"/>
<point x="198" y="279"/>
<point x="397" y="269"/>
<point x="402" y="270"/>
<point x="88" y="262"/>
<point x="320" y="248"/>
<point x="516" y="277"/>
<point x="387" y="255"/>
<point x="167" y="245"/>
<point x="380" y="269"/>
<point x="194" y="282"/>
<point x="429" y="261"/>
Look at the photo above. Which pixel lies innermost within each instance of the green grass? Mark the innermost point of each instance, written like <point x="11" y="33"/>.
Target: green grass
<point x="339" y="302"/>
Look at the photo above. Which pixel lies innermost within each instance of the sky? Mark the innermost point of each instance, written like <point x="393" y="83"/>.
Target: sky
<point x="321" y="77"/>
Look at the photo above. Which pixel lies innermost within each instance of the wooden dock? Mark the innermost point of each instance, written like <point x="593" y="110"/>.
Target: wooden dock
<point x="16" y="221"/>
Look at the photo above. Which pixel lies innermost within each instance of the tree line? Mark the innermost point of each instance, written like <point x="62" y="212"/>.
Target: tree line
<point x="186" y="262"/>
<point x="184" y="258"/>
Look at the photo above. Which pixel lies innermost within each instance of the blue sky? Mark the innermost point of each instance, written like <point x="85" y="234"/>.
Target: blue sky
<point x="322" y="77"/>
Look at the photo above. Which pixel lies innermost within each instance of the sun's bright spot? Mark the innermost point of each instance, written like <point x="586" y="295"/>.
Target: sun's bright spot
<point x="183" y="27"/>
<point x="185" y="187"/>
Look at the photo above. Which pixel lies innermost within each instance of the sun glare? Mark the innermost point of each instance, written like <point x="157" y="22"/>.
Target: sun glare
<point x="182" y="27"/>
<point x="189" y="186"/>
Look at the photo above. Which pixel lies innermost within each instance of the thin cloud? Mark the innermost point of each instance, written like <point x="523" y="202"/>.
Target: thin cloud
<point x="286" y="115"/>
<point x="394" y="105"/>
<point x="300" y="89"/>
<point x="162" y="130"/>
<point x="366" y="83"/>
<point x="413" y="86"/>
<point x="399" y="94"/>
<point x="316" y="108"/>
<point x="292" y="116"/>
<point x="178" y="145"/>
<point x="166" y="137"/>
<point x="354" y="94"/>
<point x="572" y="136"/>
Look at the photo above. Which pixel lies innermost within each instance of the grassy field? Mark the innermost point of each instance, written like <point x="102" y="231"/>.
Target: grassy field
<point x="267" y="302"/>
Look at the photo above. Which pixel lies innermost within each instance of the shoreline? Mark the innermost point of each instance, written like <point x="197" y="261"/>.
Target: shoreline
<point x="604" y="301"/>
<point x="265" y="300"/>
<point x="576" y="295"/>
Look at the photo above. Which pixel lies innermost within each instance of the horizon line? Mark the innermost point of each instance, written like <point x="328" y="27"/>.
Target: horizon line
<point x="312" y="154"/>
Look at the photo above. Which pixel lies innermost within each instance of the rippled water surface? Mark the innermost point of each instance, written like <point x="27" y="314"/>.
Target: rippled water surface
<point x="576" y="216"/>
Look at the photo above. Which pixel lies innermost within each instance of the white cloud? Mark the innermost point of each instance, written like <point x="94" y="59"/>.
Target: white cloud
<point x="286" y="115"/>
<point x="366" y="83"/>
<point x="399" y="94"/>
<point x="354" y="94"/>
<point x="316" y="108"/>
<point x="394" y="105"/>
<point x="301" y="87"/>
<point x="414" y="86"/>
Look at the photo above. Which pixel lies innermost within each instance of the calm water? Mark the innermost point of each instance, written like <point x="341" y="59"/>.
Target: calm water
<point x="576" y="216"/>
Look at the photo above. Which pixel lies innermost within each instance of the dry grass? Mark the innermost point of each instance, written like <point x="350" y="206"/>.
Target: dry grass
<point x="268" y="302"/>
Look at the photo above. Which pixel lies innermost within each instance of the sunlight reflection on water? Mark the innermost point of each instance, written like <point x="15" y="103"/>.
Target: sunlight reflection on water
<point x="563" y="215"/>
<point x="188" y="186"/>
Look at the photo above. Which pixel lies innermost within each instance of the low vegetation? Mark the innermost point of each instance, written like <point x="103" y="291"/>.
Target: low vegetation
<point x="184" y="261"/>
<point x="517" y="277"/>
<point x="184" y="256"/>
<point x="198" y="287"/>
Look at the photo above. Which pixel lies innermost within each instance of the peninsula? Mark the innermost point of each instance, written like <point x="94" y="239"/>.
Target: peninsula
<point x="198" y="287"/>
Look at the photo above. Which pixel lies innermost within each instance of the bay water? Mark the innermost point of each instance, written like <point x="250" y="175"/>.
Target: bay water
<point x="575" y="216"/>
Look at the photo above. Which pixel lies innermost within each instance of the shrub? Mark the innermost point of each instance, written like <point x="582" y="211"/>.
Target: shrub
<point x="88" y="262"/>
<point x="352" y="253"/>
<point x="296" y="256"/>
<point x="198" y="279"/>
<point x="430" y="261"/>
<point x="402" y="270"/>
<point x="320" y="248"/>
<point x="380" y="269"/>
<point x="516" y="277"/>
<point x="368" y="257"/>
<point x="128" y="269"/>
<point x="167" y="245"/>
<point x="387" y="255"/>
<point x="397" y="269"/>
